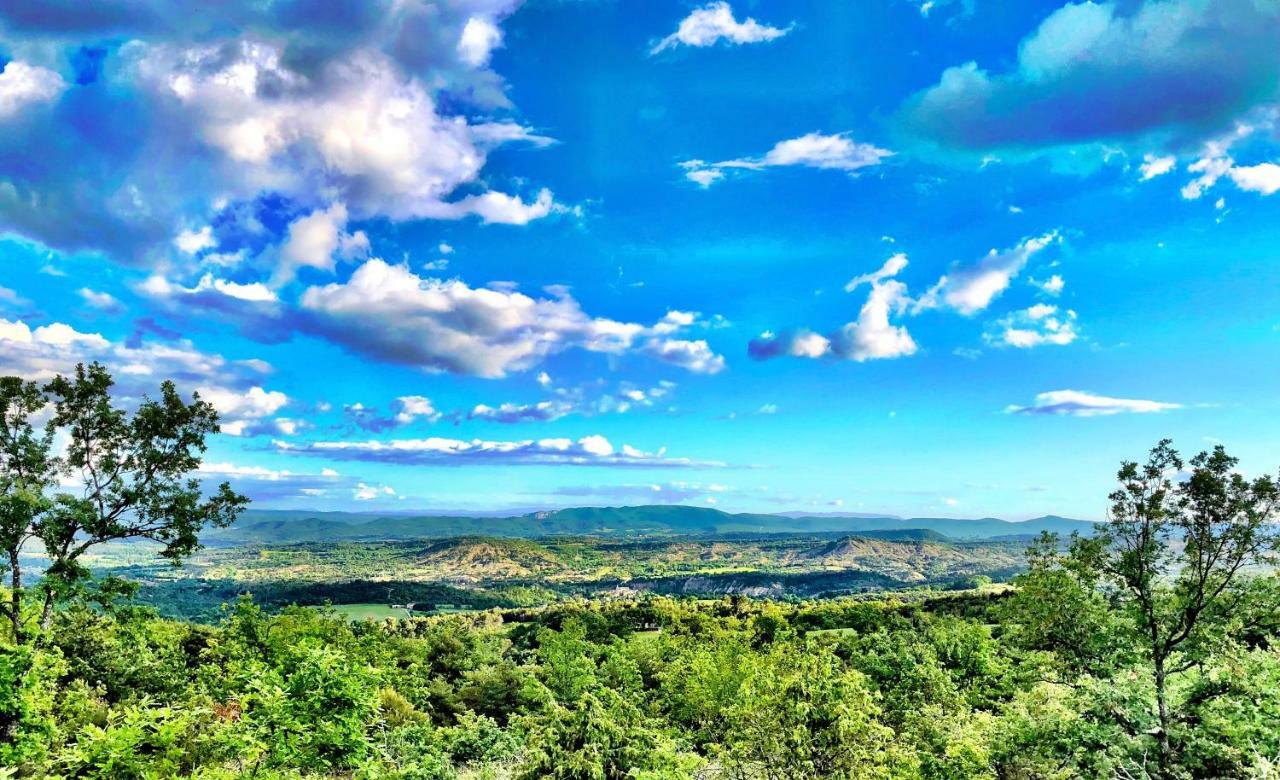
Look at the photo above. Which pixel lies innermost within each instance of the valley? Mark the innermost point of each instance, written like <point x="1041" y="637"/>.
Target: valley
<point x="570" y="554"/>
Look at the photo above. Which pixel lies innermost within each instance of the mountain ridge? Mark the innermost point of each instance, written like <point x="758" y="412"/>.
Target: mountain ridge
<point x="287" y="526"/>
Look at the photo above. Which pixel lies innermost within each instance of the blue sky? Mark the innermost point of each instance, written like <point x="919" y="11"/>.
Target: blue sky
<point x="950" y="258"/>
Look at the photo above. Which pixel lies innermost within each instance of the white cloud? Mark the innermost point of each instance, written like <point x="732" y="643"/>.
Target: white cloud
<point x="703" y="177"/>
<point x="541" y="411"/>
<point x="892" y="267"/>
<point x="156" y="286"/>
<point x="393" y="314"/>
<point x="413" y="407"/>
<point x="873" y="336"/>
<point x="970" y="289"/>
<point x="314" y="241"/>
<point x="573" y="401"/>
<point x="193" y="242"/>
<point x="1083" y="404"/>
<point x="232" y="470"/>
<point x="1210" y="169"/>
<point x="363" y="492"/>
<point x="265" y="484"/>
<point x="98" y="300"/>
<point x="1034" y="326"/>
<point x="713" y="23"/>
<point x="692" y="355"/>
<point x="498" y="208"/>
<point x="1263" y="178"/>
<point x="384" y="107"/>
<point x="1051" y="286"/>
<point x="801" y="343"/>
<point x="591" y="450"/>
<point x="814" y="150"/>
<point x="22" y="85"/>
<point x="480" y="37"/>
<point x="361" y="132"/>
<point x="1153" y="165"/>
<point x="1215" y="162"/>
<point x="253" y="403"/>
<point x="241" y="412"/>
<point x="231" y="386"/>
<point x="12" y="298"/>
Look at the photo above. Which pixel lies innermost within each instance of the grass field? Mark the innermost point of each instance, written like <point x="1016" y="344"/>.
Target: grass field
<point x="369" y="611"/>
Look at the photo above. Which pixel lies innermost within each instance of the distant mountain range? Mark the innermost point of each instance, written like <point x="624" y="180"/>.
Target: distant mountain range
<point x="269" y="526"/>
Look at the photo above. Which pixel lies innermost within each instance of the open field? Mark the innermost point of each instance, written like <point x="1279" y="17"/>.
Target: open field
<point x="369" y="611"/>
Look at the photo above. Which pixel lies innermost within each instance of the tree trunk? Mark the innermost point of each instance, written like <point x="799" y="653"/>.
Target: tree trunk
<point x="46" y="616"/>
<point x="1162" y="707"/>
<point x="15" y="598"/>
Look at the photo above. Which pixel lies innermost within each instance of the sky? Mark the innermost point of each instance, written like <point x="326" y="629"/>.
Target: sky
<point x="947" y="258"/>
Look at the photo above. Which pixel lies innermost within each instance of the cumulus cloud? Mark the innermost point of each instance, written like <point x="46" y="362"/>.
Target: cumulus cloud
<point x="1263" y="178"/>
<point x="591" y="450"/>
<point x="207" y="288"/>
<point x="1215" y="162"/>
<point x="1051" y="286"/>
<point x="41" y="352"/>
<point x="22" y="85"/>
<point x="193" y="242"/>
<point x="541" y="411"/>
<point x="365" y="492"/>
<point x="1083" y="404"/>
<point x="814" y="150"/>
<point x="1153" y="166"/>
<point x="1164" y="71"/>
<point x="263" y="484"/>
<point x="253" y="306"/>
<point x="581" y="401"/>
<point x="410" y="408"/>
<point x="202" y="111"/>
<point x="498" y="208"/>
<point x="691" y="355"/>
<point x="407" y="409"/>
<point x="317" y="240"/>
<point x="873" y="336"/>
<point x="966" y="289"/>
<point x="798" y="343"/>
<point x="376" y="137"/>
<point x="713" y="23"/>
<point x="390" y="313"/>
<point x="1033" y="327"/>
<point x="969" y="289"/>
<point x="479" y="38"/>
<point x="253" y="403"/>
<point x="232" y="387"/>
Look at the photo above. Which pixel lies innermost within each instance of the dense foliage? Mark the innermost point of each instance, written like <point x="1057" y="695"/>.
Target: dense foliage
<point x="1147" y="650"/>
<point x="966" y="686"/>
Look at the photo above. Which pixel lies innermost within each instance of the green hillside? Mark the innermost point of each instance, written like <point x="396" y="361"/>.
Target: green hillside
<point x="653" y="520"/>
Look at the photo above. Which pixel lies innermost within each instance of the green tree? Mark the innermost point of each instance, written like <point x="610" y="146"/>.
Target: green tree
<point x="802" y="714"/>
<point x="27" y="472"/>
<point x="133" y="468"/>
<point x="1175" y="566"/>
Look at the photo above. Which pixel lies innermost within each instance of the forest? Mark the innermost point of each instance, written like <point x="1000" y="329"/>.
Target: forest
<point x="1147" y="649"/>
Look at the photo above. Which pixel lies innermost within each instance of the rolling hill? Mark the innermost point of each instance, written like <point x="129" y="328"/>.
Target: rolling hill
<point x="273" y="527"/>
